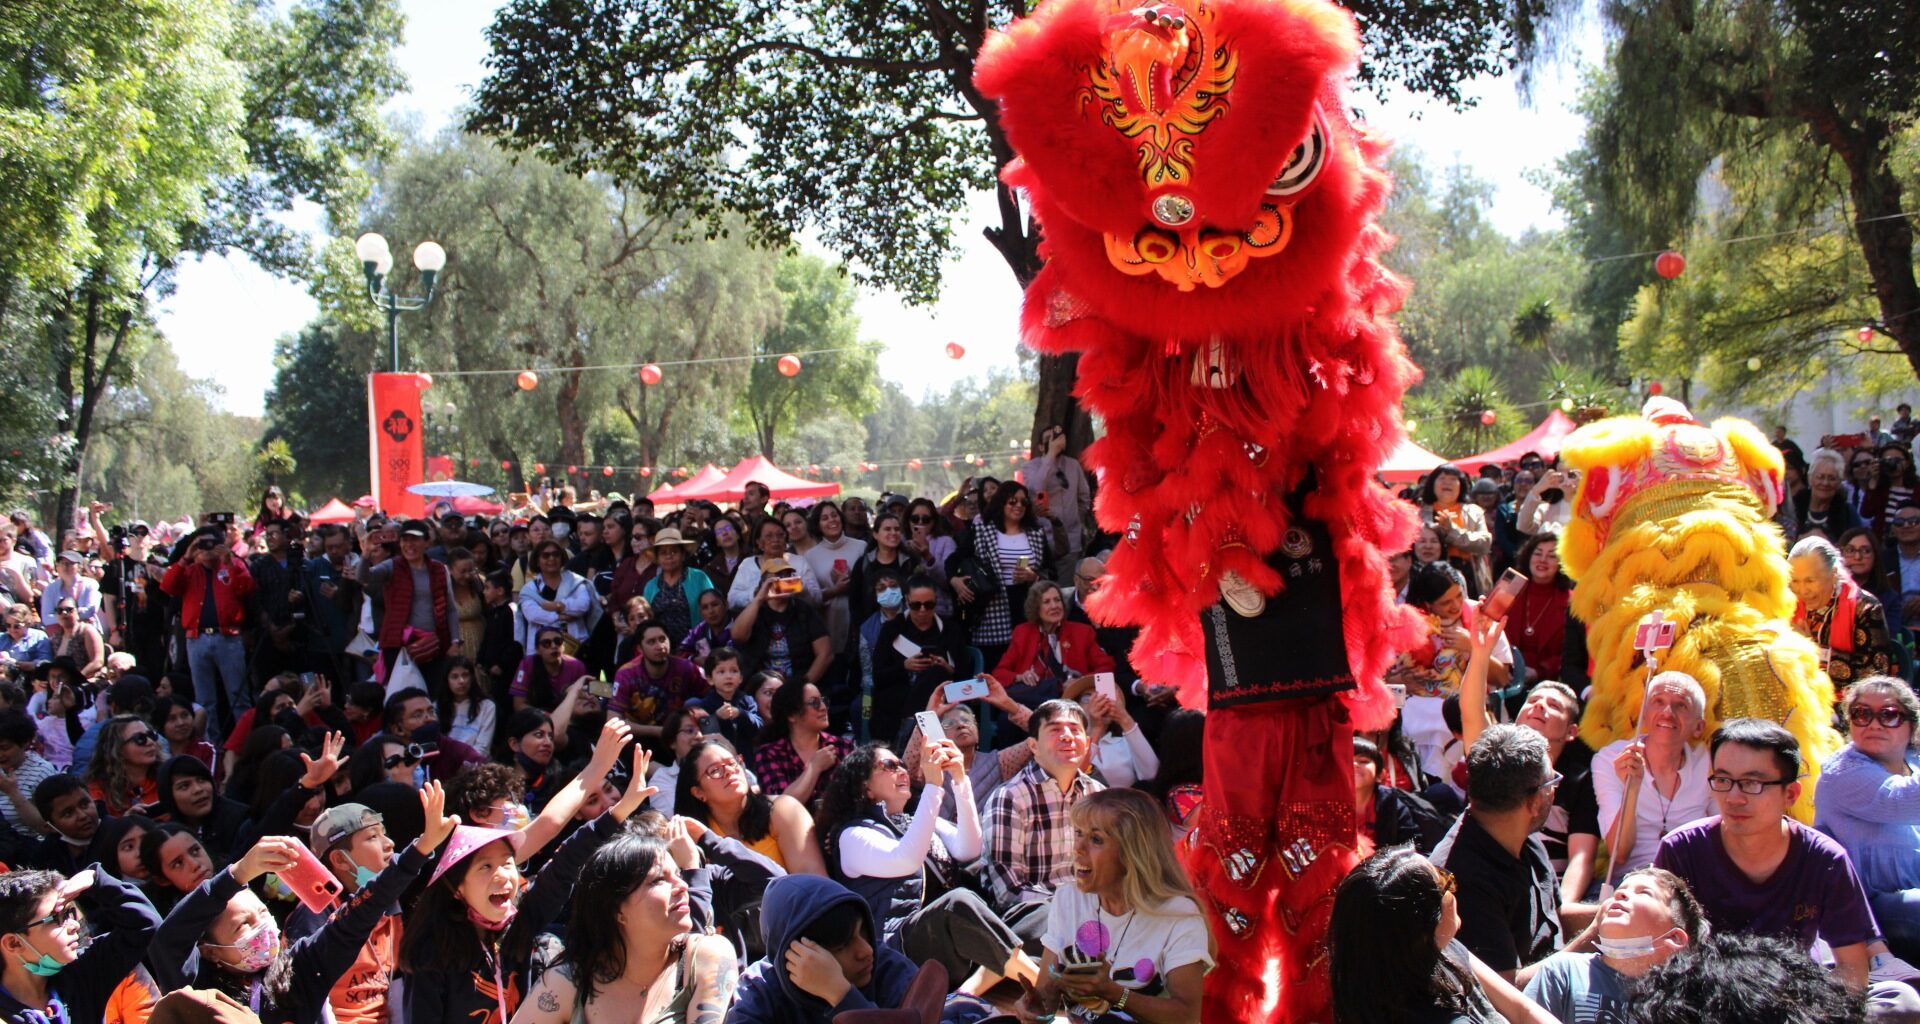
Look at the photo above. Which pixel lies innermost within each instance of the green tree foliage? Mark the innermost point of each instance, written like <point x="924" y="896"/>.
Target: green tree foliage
<point x="818" y="314"/>
<point x="1831" y="85"/>
<point x="164" y="449"/>
<point x="1450" y="419"/>
<point x="317" y="408"/>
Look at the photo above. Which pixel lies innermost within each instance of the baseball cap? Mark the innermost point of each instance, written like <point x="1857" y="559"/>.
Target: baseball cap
<point x="453" y="517"/>
<point x="363" y="501"/>
<point x="73" y="556"/>
<point x="336" y="825"/>
<point x="417" y="528"/>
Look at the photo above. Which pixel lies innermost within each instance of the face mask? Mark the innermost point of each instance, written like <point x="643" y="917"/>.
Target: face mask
<point x="363" y="876"/>
<point x="257" y="948"/>
<point x="560" y="531"/>
<point x="43" y="967"/>
<point x="1625" y="949"/>
<point x="889" y="598"/>
<point x="515" y="817"/>
<point x="513" y="909"/>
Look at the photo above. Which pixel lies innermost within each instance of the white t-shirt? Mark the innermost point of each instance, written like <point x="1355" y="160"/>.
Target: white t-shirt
<point x="1141" y="947"/>
<point x="1654" y="815"/>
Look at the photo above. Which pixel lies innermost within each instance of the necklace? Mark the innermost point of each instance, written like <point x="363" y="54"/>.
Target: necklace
<point x="1099" y="914"/>
<point x="1533" y="619"/>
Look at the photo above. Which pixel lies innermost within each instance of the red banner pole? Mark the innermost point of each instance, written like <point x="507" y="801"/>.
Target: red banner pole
<point x="398" y="447"/>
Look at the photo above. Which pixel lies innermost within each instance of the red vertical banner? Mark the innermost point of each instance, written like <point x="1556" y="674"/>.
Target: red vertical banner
<point x="399" y="452"/>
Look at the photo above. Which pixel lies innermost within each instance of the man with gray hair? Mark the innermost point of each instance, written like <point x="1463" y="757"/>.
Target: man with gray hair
<point x="1672" y="764"/>
<point x="1508" y="896"/>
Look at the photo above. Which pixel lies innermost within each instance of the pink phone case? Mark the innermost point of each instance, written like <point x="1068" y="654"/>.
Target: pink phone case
<point x="311" y="881"/>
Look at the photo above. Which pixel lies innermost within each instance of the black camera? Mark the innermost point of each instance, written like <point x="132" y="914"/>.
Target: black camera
<point x="221" y="518"/>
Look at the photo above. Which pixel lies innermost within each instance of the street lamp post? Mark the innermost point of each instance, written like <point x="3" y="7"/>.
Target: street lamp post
<point x="376" y="260"/>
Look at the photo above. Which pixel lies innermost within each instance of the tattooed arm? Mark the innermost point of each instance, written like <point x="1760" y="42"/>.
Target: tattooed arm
<point x="716" y="976"/>
<point x="551" y="1000"/>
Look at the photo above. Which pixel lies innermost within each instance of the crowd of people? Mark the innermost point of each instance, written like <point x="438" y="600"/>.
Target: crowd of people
<point x="596" y="761"/>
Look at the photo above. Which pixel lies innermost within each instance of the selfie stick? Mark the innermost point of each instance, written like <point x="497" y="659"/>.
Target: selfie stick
<point x="1649" y="642"/>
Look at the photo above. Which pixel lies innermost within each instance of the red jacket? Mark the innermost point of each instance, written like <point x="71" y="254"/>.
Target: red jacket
<point x="232" y="586"/>
<point x="1080" y="653"/>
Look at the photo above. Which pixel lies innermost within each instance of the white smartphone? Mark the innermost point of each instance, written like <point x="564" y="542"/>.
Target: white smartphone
<point x="930" y="726"/>
<point x="1106" y="686"/>
<point x="906" y="647"/>
<point x="965" y="689"/>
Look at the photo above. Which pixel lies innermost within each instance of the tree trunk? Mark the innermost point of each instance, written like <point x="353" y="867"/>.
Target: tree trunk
<point x="573" y="429"/>
<point x="1886" y="236"/>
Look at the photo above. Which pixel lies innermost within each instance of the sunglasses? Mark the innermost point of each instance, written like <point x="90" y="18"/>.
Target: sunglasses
<point x="891" y="764"/>
<point x="60" y="918"/>
<point x="721" y="769"/>
<point x="144" y="739"/>
<point x="921" y="520"/>
<point x="816" y="703"/>
<point x="68" y="610"/>
<point x="1906" y="520"/>
<point x="552" y="641"/>
<point x="1888" y="718"/>
<point x="921" y="606"/>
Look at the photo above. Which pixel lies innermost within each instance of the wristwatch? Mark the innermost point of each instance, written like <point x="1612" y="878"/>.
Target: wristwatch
<point x="1120" y="1003"/>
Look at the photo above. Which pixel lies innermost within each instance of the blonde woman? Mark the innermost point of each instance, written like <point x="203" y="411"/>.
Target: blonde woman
<point x="1127" y="936"/>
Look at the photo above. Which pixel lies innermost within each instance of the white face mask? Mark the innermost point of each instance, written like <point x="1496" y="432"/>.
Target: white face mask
<point x="1630" y="948"/>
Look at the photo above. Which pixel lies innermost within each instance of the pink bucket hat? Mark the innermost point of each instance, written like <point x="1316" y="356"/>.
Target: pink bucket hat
<point x="468" y="838"/>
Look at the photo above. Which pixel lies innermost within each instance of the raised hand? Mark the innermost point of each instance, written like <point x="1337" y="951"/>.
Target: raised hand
<point x="439" y="824"/>
<point x="272" y="854"/>
<point x="638" y="791"/>
<point x="606" y="750"/>
<point x="320" y="772"/>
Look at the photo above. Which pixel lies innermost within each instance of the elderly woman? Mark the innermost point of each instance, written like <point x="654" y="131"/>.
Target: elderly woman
<point x="1823" y="506"/>
<point x="1847" y="622"/>
<point x="1460" y="524"/>
<point x="1047" y="650"/>
<point x="1869" y="800"/>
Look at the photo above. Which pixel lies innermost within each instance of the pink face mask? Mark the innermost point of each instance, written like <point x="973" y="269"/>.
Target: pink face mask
<point x="256" y="948"/>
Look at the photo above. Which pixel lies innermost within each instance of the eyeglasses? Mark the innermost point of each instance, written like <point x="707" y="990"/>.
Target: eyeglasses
<point x="1551" y="782"/>
<point x="816" y="703"/>
<point x="1751" y="787"/>
<point x="552" y="641"/>
<point x="143" y="739"/>
<point x="922" y="606"/>
<point x="721" y="769"/>
<point x="68" y="610"/>
<point x="1887" y="717"/>
<point x="1447" y="882"/>
<point x="1857" y="550"/>
<point x="1906" y="520"/>
<point x="920" y="520"/>
<point x="60" y="918"/>
<point x="891" y="764"/>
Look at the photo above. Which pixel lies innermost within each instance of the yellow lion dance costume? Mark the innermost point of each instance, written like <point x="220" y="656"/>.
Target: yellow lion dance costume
<point x="1674" y="516"/>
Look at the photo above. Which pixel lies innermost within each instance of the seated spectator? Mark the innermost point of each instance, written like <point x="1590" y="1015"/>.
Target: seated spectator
<point x="132" y="695"/>
<point x="1048" y="651"/>
<point x="771" y="544"/>
<point x="1759" y="872"/>
<point x="47" y="974"/>
<point x="1824" y="506"/>
<point x="1131" y="909"/>
<point x="1395" y="955"/>
<point x="1742" y="979"/>
<point x="222" y="937"/>
<point x="987" y="770"/>
<point x="730" y="701"/>
<point x="675" y="589"/>
<point x="1388" y="815"/>
<point x="21" y="773"/>
<point x="73" y="818"/>
<point x="891" y="861"/>
<point x="715" y="789"/>
<point x="1030" y="839"/>
<point x="182" y="729"/>
<point x="1539" y="614"/>
<point x="778" y="632"/>
<point x="1674" y="766"/>
<point x="712" y="632"/>
<point x="1509" y="898"/>
<point x="116" y="846"/>
<point x="544" y="675"/>
<point x="62" y="722"/>
<point x="1869" y="568"/>
<point x="187" y="798"/>
<point x="797" y="753"/>
<point x="175" y="862"/>
<point x="24" y="646"/>
<point x="633" y="944"/>
<point x="824" y="958"/>
<point x="124" y="772"/>
<point x="466" y="709"/>
<point x="409" y="716"/>
<point x="477" y="919"/>
<point x="1869" y="801"/>
<point x="902" y="682"/>
<point x="1847" y="623"/>
<point x="1648" y="921"/>
<point x="1119" y="753"/>
<point x="1432" y="672"/>
<point x="655" y="683"/>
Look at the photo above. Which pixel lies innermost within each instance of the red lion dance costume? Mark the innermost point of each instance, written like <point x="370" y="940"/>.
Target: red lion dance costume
<point x="1207" y="214"/>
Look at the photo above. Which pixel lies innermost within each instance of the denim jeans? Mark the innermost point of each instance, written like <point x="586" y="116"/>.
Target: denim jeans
<point x="219" y="662"/>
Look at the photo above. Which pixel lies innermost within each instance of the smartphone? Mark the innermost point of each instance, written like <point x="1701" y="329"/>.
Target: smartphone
<point x="964" y="689"/>
<point x="787" y="586"/>
<point x="930" y="726"/>
<point x="1512" y="582"/>
<point x="1022" y="562"/>
<point x="1090" y="967"/>
<point x="839" y="565"/>
<point x="601" y="688"/>
<point x="308" y="679"/>
<point x="1106" y="686"/>
<point x="709" y="725"/>
<point x="311" y="881"/>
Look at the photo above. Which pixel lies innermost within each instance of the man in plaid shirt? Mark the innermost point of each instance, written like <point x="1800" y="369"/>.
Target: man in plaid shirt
<point x="1029" y="839"/>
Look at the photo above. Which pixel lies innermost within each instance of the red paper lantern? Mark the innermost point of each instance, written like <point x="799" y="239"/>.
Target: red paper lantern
<point x="572" y="470"/>
<point x="837" y="469"/>
<point x="539" y="467"/>
<point x="1865" y="335"/>
<point x="528" y="380"/>
<point x="913" y="463"/>
<point x="1654" y="387"/>
<point x="946" y="464"/>
<point x="506" y="464"/>
<point x="650" y="374"/>
<point x="814" y="468"/>
<point x="606" y="470"/>
<point x="472" y="462"/>
<point x="1669" y="264"/>
<point x="1488" y="417"/>
<point x="1013" y="460"/>
<point x="955" y="350"/>
<point x="789" y="366"/>
<point x="646" y="470"/>
<point x="426" y="381"/>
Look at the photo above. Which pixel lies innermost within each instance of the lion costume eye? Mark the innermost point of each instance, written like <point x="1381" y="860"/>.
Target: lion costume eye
<point x="1304" y="166"/>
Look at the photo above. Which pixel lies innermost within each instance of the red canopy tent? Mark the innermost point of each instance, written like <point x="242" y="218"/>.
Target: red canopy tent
<point x="675" y="494"/>
<point x="780" y="483"/>
<point x="467" y="506"/>
<point x="1408" y="463"/>
<point x="334" y="511"/>
<point x="1545" y="439"/>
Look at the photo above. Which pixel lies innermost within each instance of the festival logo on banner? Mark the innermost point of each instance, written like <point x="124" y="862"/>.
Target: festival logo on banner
<point x="399" y="456"/>
<point x="439" y="467"/>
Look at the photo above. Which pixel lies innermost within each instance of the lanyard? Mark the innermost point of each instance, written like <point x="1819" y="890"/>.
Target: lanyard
<point x="499" y="985"/>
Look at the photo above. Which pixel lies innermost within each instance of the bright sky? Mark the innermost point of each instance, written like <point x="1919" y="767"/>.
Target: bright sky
<point x="227" y="313"/>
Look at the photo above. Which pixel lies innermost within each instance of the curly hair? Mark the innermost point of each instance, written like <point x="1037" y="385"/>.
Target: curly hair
<point x="479" y="785"/>
<point x="108" y="770"/>
<point x="1748" y="978"/>
<point x="845" y="797"/>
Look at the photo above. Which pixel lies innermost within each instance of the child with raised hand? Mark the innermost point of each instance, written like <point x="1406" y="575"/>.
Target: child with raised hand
<point x="467" y="948"/>
<point x="221" y="936"/>
<point x="47" y="973"/>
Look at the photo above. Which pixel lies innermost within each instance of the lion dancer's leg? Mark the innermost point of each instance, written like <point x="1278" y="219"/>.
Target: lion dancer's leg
<point x="1277" y="834"/>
